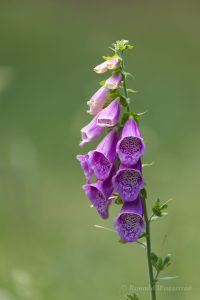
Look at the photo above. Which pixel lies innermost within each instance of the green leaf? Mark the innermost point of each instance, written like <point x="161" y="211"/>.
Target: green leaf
<point x="122" y="242"/>
<point x="154" y="259"/>
<point x="160" y="264"/>
<point x="143" y="234"/>
<point x="110" y="57"/>
<point x="148" y="165"/>
<point x="122" y="45"/>
<point x="168" y="278"/>
<point x="124" y="101"/>
<point x="132" y="297"/>
<point x="159" y="209"/>
<point x="167" y="261"/>
<point x="132" y="91"/>
<point x="126" y="74"/>
<point x="144" y="193"/>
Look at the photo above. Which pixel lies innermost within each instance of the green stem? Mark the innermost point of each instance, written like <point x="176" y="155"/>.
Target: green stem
<point x="148" y="240"/>
<point x="124" y="82"/>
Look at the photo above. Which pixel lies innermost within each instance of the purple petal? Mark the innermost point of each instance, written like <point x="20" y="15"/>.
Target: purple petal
<point x="113" y="82"/>
<point x="131" y="146"/>
<point x="129" y="223"/>
<point x="90" y="131"/>
<point x="101" y="68"/>
<point x="113" y="63"/>
<point x="103" y="158"/>
<point x="85" y="166"/>
<point x="98" y="100"/>
<point x="128" y="182"/>
<point x="109" y="116"/>
<point x="99" y="194"/>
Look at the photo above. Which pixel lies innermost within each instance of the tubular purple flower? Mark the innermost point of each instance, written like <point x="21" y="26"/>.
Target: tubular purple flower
<point x="113" y="63"/>
<point x="99" y="194"/>
<point x="109" y="116"/>
<point x="113" y="82"/>
<point x="129" y="223"/>
<point x="128" y="182"/>
<point x="110" y="64"/>
<point x="131" y="146"/>
<point x="90" y="131"/>
<point x="103" y="158"/>
<point x="98" y="100"/>
<point x="85" y="166"/>
<point x="101" y="68"/>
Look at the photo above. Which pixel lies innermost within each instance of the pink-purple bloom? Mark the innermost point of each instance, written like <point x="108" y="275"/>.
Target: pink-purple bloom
<point x="98" y="100"/>
<point x="128" y="182"/>
<point x="102" y="159"/>
<point x="110" y="64"/>
<point x="99" y="194"/>
<point x="90" y="131"/>
<point x="113" y="63"/>
<point x="131" y="146"/>
<point x="85" y="166"/>
<point x="129" y="223"/>
<point x="114" y="81"/>
<point x="109" y="116"/>
<point x="101" y="68"/>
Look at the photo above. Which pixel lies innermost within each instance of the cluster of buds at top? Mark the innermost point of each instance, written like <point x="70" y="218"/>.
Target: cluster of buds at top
<point x="116" y="162"/>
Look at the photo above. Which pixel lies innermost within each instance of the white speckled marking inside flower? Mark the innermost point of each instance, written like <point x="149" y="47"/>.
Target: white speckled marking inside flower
<point x="130" y="150"/>
<point x="130" y="227"/>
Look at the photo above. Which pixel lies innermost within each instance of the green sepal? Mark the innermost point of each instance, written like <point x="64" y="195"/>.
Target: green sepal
<point x="118" y="200"/>
<point x="110" y="57"/>
<point x="102" y="82"/>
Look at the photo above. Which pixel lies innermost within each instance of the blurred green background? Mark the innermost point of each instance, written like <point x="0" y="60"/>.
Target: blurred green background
<point x="49" y="248"/>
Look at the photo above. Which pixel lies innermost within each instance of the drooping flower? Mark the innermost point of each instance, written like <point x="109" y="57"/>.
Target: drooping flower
<point x="103" y="158"/>
<point x="90" y="131"/>
<point x="113" y="82"/>
<point x="128" y="181"/>
<point x="131" y="146"/>
<point x="98" y="100"/>
<point x="113" y="63"/>
<point x="101" y="68"/>
<point x="109" y="116"/>
<point x="110" y="64"/>
<point x="99" y="194"/>
<point x="85" y="166"/>
<point x="129" y="223"/>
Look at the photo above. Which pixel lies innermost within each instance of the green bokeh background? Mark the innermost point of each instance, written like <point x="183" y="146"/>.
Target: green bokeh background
<point x="49" y="248"/>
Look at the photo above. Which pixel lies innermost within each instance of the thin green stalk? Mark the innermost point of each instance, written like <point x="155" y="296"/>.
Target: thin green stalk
<point x="147" y="221"/>
<point x="148" y="241"/>
<point x="124" y="81"/>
